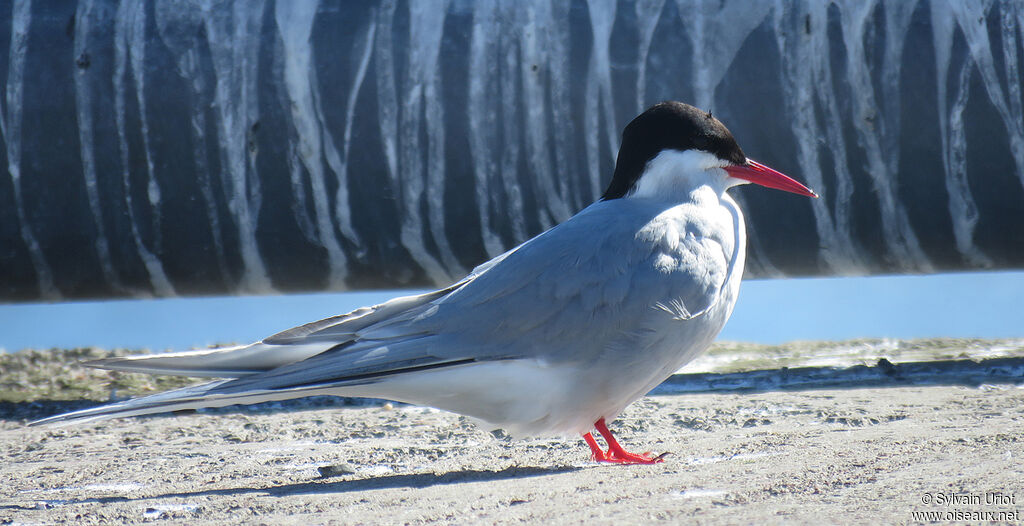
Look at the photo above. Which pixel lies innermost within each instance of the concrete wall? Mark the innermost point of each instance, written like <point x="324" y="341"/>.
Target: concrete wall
<point x="200" y="147"/>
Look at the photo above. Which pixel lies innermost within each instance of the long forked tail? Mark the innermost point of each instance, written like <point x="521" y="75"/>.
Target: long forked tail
<point x="228" y="363"/>
<point x="193" y="397"/>
<point x="250" y="366"/>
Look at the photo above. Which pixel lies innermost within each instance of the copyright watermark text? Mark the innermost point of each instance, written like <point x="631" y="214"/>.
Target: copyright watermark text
<point x="964" y="507"/>
<point x="990" y="498"/>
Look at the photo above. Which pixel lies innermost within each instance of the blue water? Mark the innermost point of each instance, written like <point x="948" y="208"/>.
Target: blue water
<point x="979" y="304"/>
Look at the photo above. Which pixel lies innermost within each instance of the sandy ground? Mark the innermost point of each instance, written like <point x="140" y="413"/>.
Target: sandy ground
<point x="873" y="451"/>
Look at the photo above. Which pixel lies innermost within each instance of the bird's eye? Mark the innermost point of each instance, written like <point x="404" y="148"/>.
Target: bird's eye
<point x="701" y="143"/>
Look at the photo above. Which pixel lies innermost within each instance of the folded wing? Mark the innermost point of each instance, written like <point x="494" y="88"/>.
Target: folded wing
<point x="570" y="294"/>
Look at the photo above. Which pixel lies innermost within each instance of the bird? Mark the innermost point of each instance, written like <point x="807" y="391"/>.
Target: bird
<point x="553" y="337"/>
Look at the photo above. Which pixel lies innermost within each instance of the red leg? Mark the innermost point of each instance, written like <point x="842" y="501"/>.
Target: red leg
<point x="615" y="451"/>
<point x="595" y="450"/>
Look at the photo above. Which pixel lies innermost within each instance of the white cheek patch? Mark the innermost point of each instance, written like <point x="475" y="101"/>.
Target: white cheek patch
<point x="673" y="174"/>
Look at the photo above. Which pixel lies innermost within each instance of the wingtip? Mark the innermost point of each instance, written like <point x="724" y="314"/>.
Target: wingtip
<point x="100" y="363"/>
<point x="58" y="420"/>
<point x="49" y="421"/>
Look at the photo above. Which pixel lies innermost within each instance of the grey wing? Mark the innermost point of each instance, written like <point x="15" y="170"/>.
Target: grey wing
<point x="286" y="347"/>
<point x="586" y="288"/>
<point x="591" y="278"/>
<point x="349" y="341"/>
<point x="284" y="351"/>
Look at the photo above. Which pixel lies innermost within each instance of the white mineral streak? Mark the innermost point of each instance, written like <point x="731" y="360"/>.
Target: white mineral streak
<point x="343" y="210"/>
<point x="807" y="83"/>
<point x="1012" y="25"/>
<point x="484" y="90"/>
<point x="717" y="30"/>
<point x="21" y="17"/>
<point x="535" y="25"/>
<point x="648" y="14"/>
<point x="129" y="54"/>
<point x="401" y="123"/>
<point x="563" y="130"/>
<point x="507" y="71"/>
<point x="599" y="114"/>
<point x="423" y="110"/>
<point x="178" y="31"/>
<point x="233" y="36"/>
<point x="137" y="58"/>
<point x="387" y="96"/>
<point x="882" y="166"/>
<point x="295" y="24"/>
<point x="972" y="18"/>
<point x="86" y="16"/>
<point x="884" y="124"/>
<point x="898" y="16"/>
<point x="962" y="208"/>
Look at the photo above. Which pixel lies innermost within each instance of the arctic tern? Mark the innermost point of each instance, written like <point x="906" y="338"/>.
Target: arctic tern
<point x="556" y="336"/>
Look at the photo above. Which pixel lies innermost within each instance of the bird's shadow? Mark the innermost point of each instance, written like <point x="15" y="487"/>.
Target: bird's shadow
<point x="411" y="480"/>
<point x="963" y="372"/>
<point x="325" y="485"/>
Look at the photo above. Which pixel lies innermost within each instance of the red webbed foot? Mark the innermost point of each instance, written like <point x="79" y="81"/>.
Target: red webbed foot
<point x="616" y="454"/>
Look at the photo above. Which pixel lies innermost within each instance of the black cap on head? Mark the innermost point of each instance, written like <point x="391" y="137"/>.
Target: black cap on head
<point x="668" y="125"/>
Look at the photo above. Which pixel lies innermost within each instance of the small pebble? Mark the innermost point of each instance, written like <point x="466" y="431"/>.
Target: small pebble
<point x="335" y="470"/>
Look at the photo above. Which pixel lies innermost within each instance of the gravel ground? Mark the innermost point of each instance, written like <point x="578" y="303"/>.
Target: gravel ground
<point x="757" y="451"/>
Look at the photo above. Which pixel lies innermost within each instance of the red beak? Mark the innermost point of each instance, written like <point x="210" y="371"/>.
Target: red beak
<point x="758" y="173"/>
